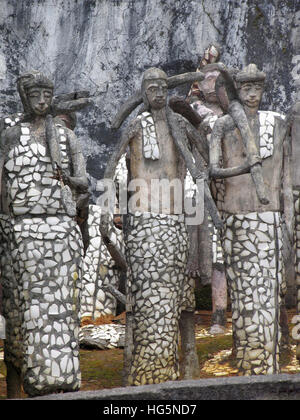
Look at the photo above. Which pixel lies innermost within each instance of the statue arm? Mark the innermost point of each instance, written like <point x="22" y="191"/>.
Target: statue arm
<point x="8" y="137"/>
<point x="179" y="135"/>
<point x="292" y="113"/>
<point x="287" y="187"/>
<point x="215" y="151"/>
<point x="70" y="102"/>
<point x="78" y="180"/>
<point x="109" y="172"/>
<point x="215" y="145"/>
<point x="106" y="217"/>
<point x="120" y="149"/>
<point x="198" y="141"/>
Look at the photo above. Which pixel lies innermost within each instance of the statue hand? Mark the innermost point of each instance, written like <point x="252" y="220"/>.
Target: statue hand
<point x="61" y="174"/>
<point x="222" y="67"/>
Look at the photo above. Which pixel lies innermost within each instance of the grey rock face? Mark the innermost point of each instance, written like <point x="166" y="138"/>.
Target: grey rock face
<point x="105" y="47"/>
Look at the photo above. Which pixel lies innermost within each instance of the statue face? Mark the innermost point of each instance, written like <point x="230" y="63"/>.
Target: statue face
<point x="250" y="94"/>
<point x="39" y="99"/>
<point x="207" y="86"/>
<point x="156" y="92"/>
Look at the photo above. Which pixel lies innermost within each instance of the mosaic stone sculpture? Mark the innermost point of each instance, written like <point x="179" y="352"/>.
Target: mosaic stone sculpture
<point x="252" y="239"/>
<point x="157" y="242"/>
<point x="43" y="179"/>
<point x="293" y="130"/>
<point x="204" y="101"/>
<point x="99" y="270"/>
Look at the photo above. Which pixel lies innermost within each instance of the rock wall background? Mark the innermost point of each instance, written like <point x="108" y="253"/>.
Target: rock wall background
<point x="105" y="45"/>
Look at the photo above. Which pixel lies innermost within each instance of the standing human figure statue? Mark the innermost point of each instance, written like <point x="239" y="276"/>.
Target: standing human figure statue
<point x="204" y="101"/>
<point x="156" y="239"/>
<point x="252" y="239"/>
<point x="293" y="137"/>
<point x="43" y="181"/>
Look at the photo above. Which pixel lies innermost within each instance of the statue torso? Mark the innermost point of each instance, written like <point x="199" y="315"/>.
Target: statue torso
<point x="240" y="193"/>
<point x="28" y="174"/>
<point x="168" y="166"/>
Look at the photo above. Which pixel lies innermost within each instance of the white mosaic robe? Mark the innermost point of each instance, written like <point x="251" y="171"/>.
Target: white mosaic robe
<point x="156" y="249"/>
<point x="252" y="244"/>
<point x="41" y="270"/>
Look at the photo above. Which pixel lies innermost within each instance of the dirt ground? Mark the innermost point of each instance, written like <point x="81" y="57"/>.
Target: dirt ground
<point x="103" y="368"/>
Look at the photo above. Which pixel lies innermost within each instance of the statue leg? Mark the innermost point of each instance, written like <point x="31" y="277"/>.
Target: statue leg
<point x="13" y="381"/>
<point x="128" y="348"/>
<point x="284" y="327"/>
<point x="219" y="301"/>
<point x="189" y="364"/>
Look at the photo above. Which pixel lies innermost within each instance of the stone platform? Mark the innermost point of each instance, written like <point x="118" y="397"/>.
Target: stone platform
<point x="268" y="387"/>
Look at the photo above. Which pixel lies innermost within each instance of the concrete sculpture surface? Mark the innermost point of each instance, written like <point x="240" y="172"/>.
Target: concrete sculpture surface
<point x="160" y="292"/>
<point x="252" y="211"/>
<point x="43" y="190"/>
<point x="207" y="264"/>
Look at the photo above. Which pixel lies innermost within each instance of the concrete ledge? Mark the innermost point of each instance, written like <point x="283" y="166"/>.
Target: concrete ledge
<point x="274" y="387"/>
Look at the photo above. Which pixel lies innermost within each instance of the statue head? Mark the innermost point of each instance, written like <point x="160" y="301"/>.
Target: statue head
<point x="207" y="86"/>
<point x="205" y="90"/>
<point x="36" y="93"/>
<point x="154" y="88"/>
<point x="250" y="85"/>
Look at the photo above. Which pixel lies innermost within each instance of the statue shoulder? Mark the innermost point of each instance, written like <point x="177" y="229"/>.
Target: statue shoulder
<point x="9" y="138"/>
<point x="295" y="109"/>
<point x="11" y="133"/>
<point x="271" y="115"/>
<point x="180" y="120"/>
<point x="134" y="127"/>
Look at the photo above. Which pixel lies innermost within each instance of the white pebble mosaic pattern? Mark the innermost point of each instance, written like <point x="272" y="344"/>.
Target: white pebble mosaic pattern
<point x="45" y="267"/>
<point x="296" y="194"/>
<point x="266" y="132"/>
<point x="252" y="246"/>
<point x="150" y="144"/>
<point x="156" y="247"/>
<point x="103" y="337"/>
<point x="99" y="270"/>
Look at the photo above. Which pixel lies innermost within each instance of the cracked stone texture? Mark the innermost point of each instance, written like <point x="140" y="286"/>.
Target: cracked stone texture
<point x="105" y="46"/>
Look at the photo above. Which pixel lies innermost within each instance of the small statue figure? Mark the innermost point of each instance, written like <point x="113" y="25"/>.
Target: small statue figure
<point x="99" y="270"/>
<point x="156" y="240"/>
<point x="43" y="192"/>
<point x="251" y="140"/>
<point x="206" y="264"/>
